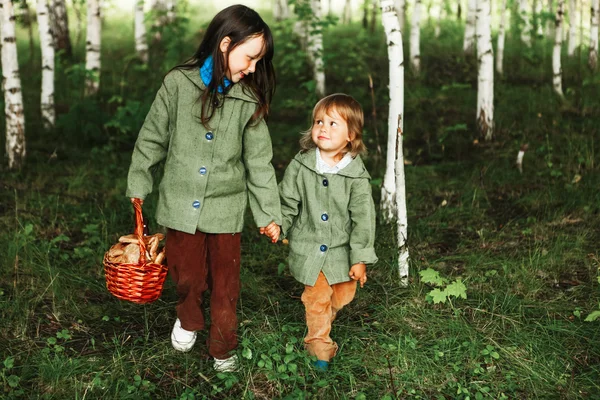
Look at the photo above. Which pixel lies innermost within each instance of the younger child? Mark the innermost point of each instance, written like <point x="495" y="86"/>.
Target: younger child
<point x="207" y="124"/>
<point x="329" y="217"/>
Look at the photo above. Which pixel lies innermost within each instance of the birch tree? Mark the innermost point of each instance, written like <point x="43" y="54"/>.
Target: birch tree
<point x="47" y="99"/>
<point x="558" y="38"/>
<point x="281" y="11"/>
<point x="594" y="17"/>
<point x="469" y="39"/>
<point x="400" y="6"/>
<point x="394" y="174"/>
<point x="573" y="17"/>
<point x="501" y="38"/>
<point x="59" y="24"/>
<point x="11" y="84"/>
<point x="415" y="37"/>
<point x="347" y="13"/>
<point x="550" y="7"/>
<point x="141" y="44"/>
<point x="93" y="45"/>
<point x="315" y="48"/>
<point x="485" y="80"/>
<point x="525" y="22"/>
<point x="171" y="14"/>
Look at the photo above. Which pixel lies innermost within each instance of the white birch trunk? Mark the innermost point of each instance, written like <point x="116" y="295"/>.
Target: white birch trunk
<point x="594" y="17"/>
<point x="93" y="45"/>
<point x="59" y="25"/>
<point x="400" y="6"/>
<point x="415" y="37"/>
<point x="549" y="22"/>
<point x="558" y="38"/>
<point x="438" y="22"/>
<point x="469" y="39"/>
<point x="525" y="22"/>
<point x="315" y="49"/>
<point x="141" y="44"/>
<point x="47" y="46"/>
<point x="171" y="14"/>
<point x="573" y="17"/>
<point x="281" y="10"/>
<point x="501" y="38"/>
<point x="347" y="13"/>
<point x="485" y="81"/>
<point x="394" y="174"/>
<point x="11" y="84"/>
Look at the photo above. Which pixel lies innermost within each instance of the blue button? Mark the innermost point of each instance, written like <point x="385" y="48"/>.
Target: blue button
<point x="196" y="204"/>
<point x="325" y="182"/>
<point x="209" y="136"/>
<point x="323" y="248"/>
<point x="324" y="217"/>
<point x="202" y="171"/>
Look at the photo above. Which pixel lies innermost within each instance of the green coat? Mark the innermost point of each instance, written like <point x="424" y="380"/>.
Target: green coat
<point x="209" y="174"/>
<point x="329" y="219"/>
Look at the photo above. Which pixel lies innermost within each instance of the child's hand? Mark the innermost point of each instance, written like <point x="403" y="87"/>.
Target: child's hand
<point x="133" y="199"/>
<point x="358" y="272"/>
<point x="272" y="231"/>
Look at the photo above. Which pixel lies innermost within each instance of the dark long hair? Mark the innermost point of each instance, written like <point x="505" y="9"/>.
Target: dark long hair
<point x="240" y="23"/>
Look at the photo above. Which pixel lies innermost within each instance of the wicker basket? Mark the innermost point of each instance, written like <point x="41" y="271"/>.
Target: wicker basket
<point x="139" y="283"/>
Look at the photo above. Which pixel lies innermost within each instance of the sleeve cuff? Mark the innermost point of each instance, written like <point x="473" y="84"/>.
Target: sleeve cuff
<point x="365" y="256"/>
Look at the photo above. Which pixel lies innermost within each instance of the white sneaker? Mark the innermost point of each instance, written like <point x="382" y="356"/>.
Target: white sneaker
<point x="226" y="365"/>
<point x="181" y="339"/>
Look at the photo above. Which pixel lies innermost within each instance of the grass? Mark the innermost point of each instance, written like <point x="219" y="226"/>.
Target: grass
<point x="525" y="245"/>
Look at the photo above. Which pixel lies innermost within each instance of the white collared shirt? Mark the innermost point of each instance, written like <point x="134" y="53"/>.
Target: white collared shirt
<point x="324" y="168"/>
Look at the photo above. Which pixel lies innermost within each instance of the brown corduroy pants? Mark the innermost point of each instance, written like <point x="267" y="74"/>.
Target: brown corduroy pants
<point x="322" y="302"/>
<point x="202" y="261"/>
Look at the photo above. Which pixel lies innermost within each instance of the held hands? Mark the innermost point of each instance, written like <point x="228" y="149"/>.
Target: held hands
<point x="272" y="231"/>
<point x="358" y="272"/>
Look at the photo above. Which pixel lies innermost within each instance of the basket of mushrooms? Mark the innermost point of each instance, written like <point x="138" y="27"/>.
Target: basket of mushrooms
<point x="134" y="266"/>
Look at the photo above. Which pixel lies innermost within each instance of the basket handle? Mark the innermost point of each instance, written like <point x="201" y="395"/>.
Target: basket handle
<point x="139" y="229"/>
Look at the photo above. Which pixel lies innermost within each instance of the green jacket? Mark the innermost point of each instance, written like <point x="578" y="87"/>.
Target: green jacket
<point x="329" y="219"/>
<point x="209" y="174"/>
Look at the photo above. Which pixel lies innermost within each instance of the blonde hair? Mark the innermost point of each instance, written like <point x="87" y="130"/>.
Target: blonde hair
<point x="352" y="113"/>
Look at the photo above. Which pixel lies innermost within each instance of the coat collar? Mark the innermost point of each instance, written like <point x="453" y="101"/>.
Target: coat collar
<point x="356" y="169"/>
<point x="236" y="91"/>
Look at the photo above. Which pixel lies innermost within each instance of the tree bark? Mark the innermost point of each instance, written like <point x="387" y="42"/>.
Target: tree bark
<point x="415" y="38"/>
<point x="485" y="81"/>
<point x="59" y="24"/>
<point x="400" y="6"/>
<point x="525" y="24"/>
<point x="281" y="10"/>
<point x="501" y="38"/>
<point x="141" y="43"/>
<point x="11" y="84"/>
<point x="594" y="17"/>
<point x="171" y="13"/>
<point x="347" y="15"/>
<point x="573" y="17"/>
<point x="315" y="48"/>
<point x="558" y="38"/>
<point x="93" y="46"/>
<point x="469" y="39"/>
<point x="47" y="99"/>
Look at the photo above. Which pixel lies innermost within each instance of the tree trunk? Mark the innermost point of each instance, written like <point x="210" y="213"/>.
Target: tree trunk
<point x="77" y="7"/>
<point x="485" y="81"/>
<point x="11" y="83"/>
<point x="400" y="6"/>
<point x="315" y="48"/>
<point x="469" y="39"/>
<point x="501" y="38"/>
<point x="141" y="44"/>
<point x="171" y="13"/>
<point x="395" y="159"/>
<point x="59" y="21"/>
<point x="558" y="38"/>
<point x="281" y="11"/>
<point x="347" y="16"/>
<point x="47" y="99"/>
<point x="159" y="8"/>
<point x="438" y="22"/>
<point x="93" y="45"/>
<point x="365" y="20"/>
<point x="573" y="17"/>
<point x="415" y="37"/>
<point x="374" y="8"/>
<point x="549" y="22"/>
<point x="525" y="22"/>
<point x="594" y="17"/>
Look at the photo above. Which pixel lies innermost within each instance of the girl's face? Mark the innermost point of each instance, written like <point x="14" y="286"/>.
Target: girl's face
<point x="330" y="132"/>
<point x="243" y="58"/>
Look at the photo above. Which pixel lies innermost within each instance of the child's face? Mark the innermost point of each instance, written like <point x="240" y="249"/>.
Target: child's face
<point x="330" y="132"/>
<point x="242" y="59"/>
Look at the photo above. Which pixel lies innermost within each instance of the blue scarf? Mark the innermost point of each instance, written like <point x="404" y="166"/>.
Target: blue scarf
<point x="206" y="71"/>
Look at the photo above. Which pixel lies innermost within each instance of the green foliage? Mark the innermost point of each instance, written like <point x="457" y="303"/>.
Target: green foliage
<point x="445" y="290"/>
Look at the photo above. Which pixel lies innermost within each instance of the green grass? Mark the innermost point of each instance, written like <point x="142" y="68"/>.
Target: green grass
<point x="525" y="245"/>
